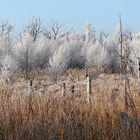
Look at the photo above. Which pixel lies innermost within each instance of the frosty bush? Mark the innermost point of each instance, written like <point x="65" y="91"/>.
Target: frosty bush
<point x="76" y="54"/>
<point x="69" y="55"/>
<point x="8" y="68"/>
<point x="6" y="38"/>
<point x="59" y="62"/>
<point x="24" y="53"/>
<point x="89" y="33"/>
<point x="135" y="52"/>
<point x="44" y="51"/>
<point x="95" y="55"/>
<point x="58" y="49"/>
<point x="112" y="61"/>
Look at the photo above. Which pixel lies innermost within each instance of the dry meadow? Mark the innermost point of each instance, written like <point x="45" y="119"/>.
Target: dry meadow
<point x="45" y="111"/>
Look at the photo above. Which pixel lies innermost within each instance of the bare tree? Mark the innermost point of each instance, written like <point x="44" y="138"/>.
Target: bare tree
<point x="55" y="29"/>
<point x="128" y="35"/>
<point x="5" y="27"/>
<point x="125" y="61"/>
<point x="35" y="28"/>
<point x="102" y="37"/>
<point x="121" y="44"/>
<point x="90" y="33"/>
<point x="5" y="38"/>
<point x="125" y="37"/>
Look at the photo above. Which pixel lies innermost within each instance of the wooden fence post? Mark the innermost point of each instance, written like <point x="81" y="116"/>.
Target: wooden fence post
<point x="30" y="83"/>
<point x="72" y="91"/>
<point x="64" y="89"/>
<point x="78" y="78"/>
<point x="86" y="73"/>
<point x="88" y="89"/>
<point x="138" y="67"/>
<point x="30" y="88"/>
<point x="125" y="97"/>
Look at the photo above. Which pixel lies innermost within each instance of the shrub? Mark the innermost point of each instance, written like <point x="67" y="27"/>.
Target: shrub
<point x="8" y="68"/>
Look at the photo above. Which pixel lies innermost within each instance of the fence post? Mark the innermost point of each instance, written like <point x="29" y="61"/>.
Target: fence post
<point x="86" y="73"/>
<point x="78" y="78"/>
<point x="138" y="67"/>
<point x="125" y="97"/>
<point x="64" y="89"/>
<point x="72" y="91"/>
<point x="30" y="88"/>
<point x="30" y="83"/>
<point x="88" y="89"/>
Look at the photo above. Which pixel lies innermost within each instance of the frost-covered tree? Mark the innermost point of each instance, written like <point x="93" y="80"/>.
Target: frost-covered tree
<point x="59" y="62"/>
<point x="103" y="36"/>
<point x="24" y="53"/>
<point x="123" y="38"/>
<point x="44" y="51"/>
<point x="8" y="68"/>
<point x="5" y="38"/>
<point x="76" y="54"/>
<point x="60" y="49"/>
<point x="69" y="55"/>
<point x="135" y="51"/>
<point x="112" y="59"/>
<point x="55" y="30"/>
<point x="102" y="55"/>
<point x="90" y="33"/>
<point x="95" y="55"/>
<point x="34" y="29"/>
<point x="136" y="44"/>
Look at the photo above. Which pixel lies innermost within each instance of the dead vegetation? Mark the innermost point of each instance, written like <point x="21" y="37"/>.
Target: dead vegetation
<point x="44" y="112"/>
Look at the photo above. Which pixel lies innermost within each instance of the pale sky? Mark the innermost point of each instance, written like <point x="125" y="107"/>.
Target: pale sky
<point x="75" y="13"/>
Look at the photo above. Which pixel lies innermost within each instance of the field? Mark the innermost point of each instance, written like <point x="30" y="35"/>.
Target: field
<point x="69" y="70"/>
<point x="48" y="110"/>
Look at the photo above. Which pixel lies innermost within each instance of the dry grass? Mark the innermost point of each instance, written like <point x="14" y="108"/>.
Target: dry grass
<point x="46" y="114"/>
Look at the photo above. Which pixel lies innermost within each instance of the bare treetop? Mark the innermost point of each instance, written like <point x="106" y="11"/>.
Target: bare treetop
<point x="34" y="28"/>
